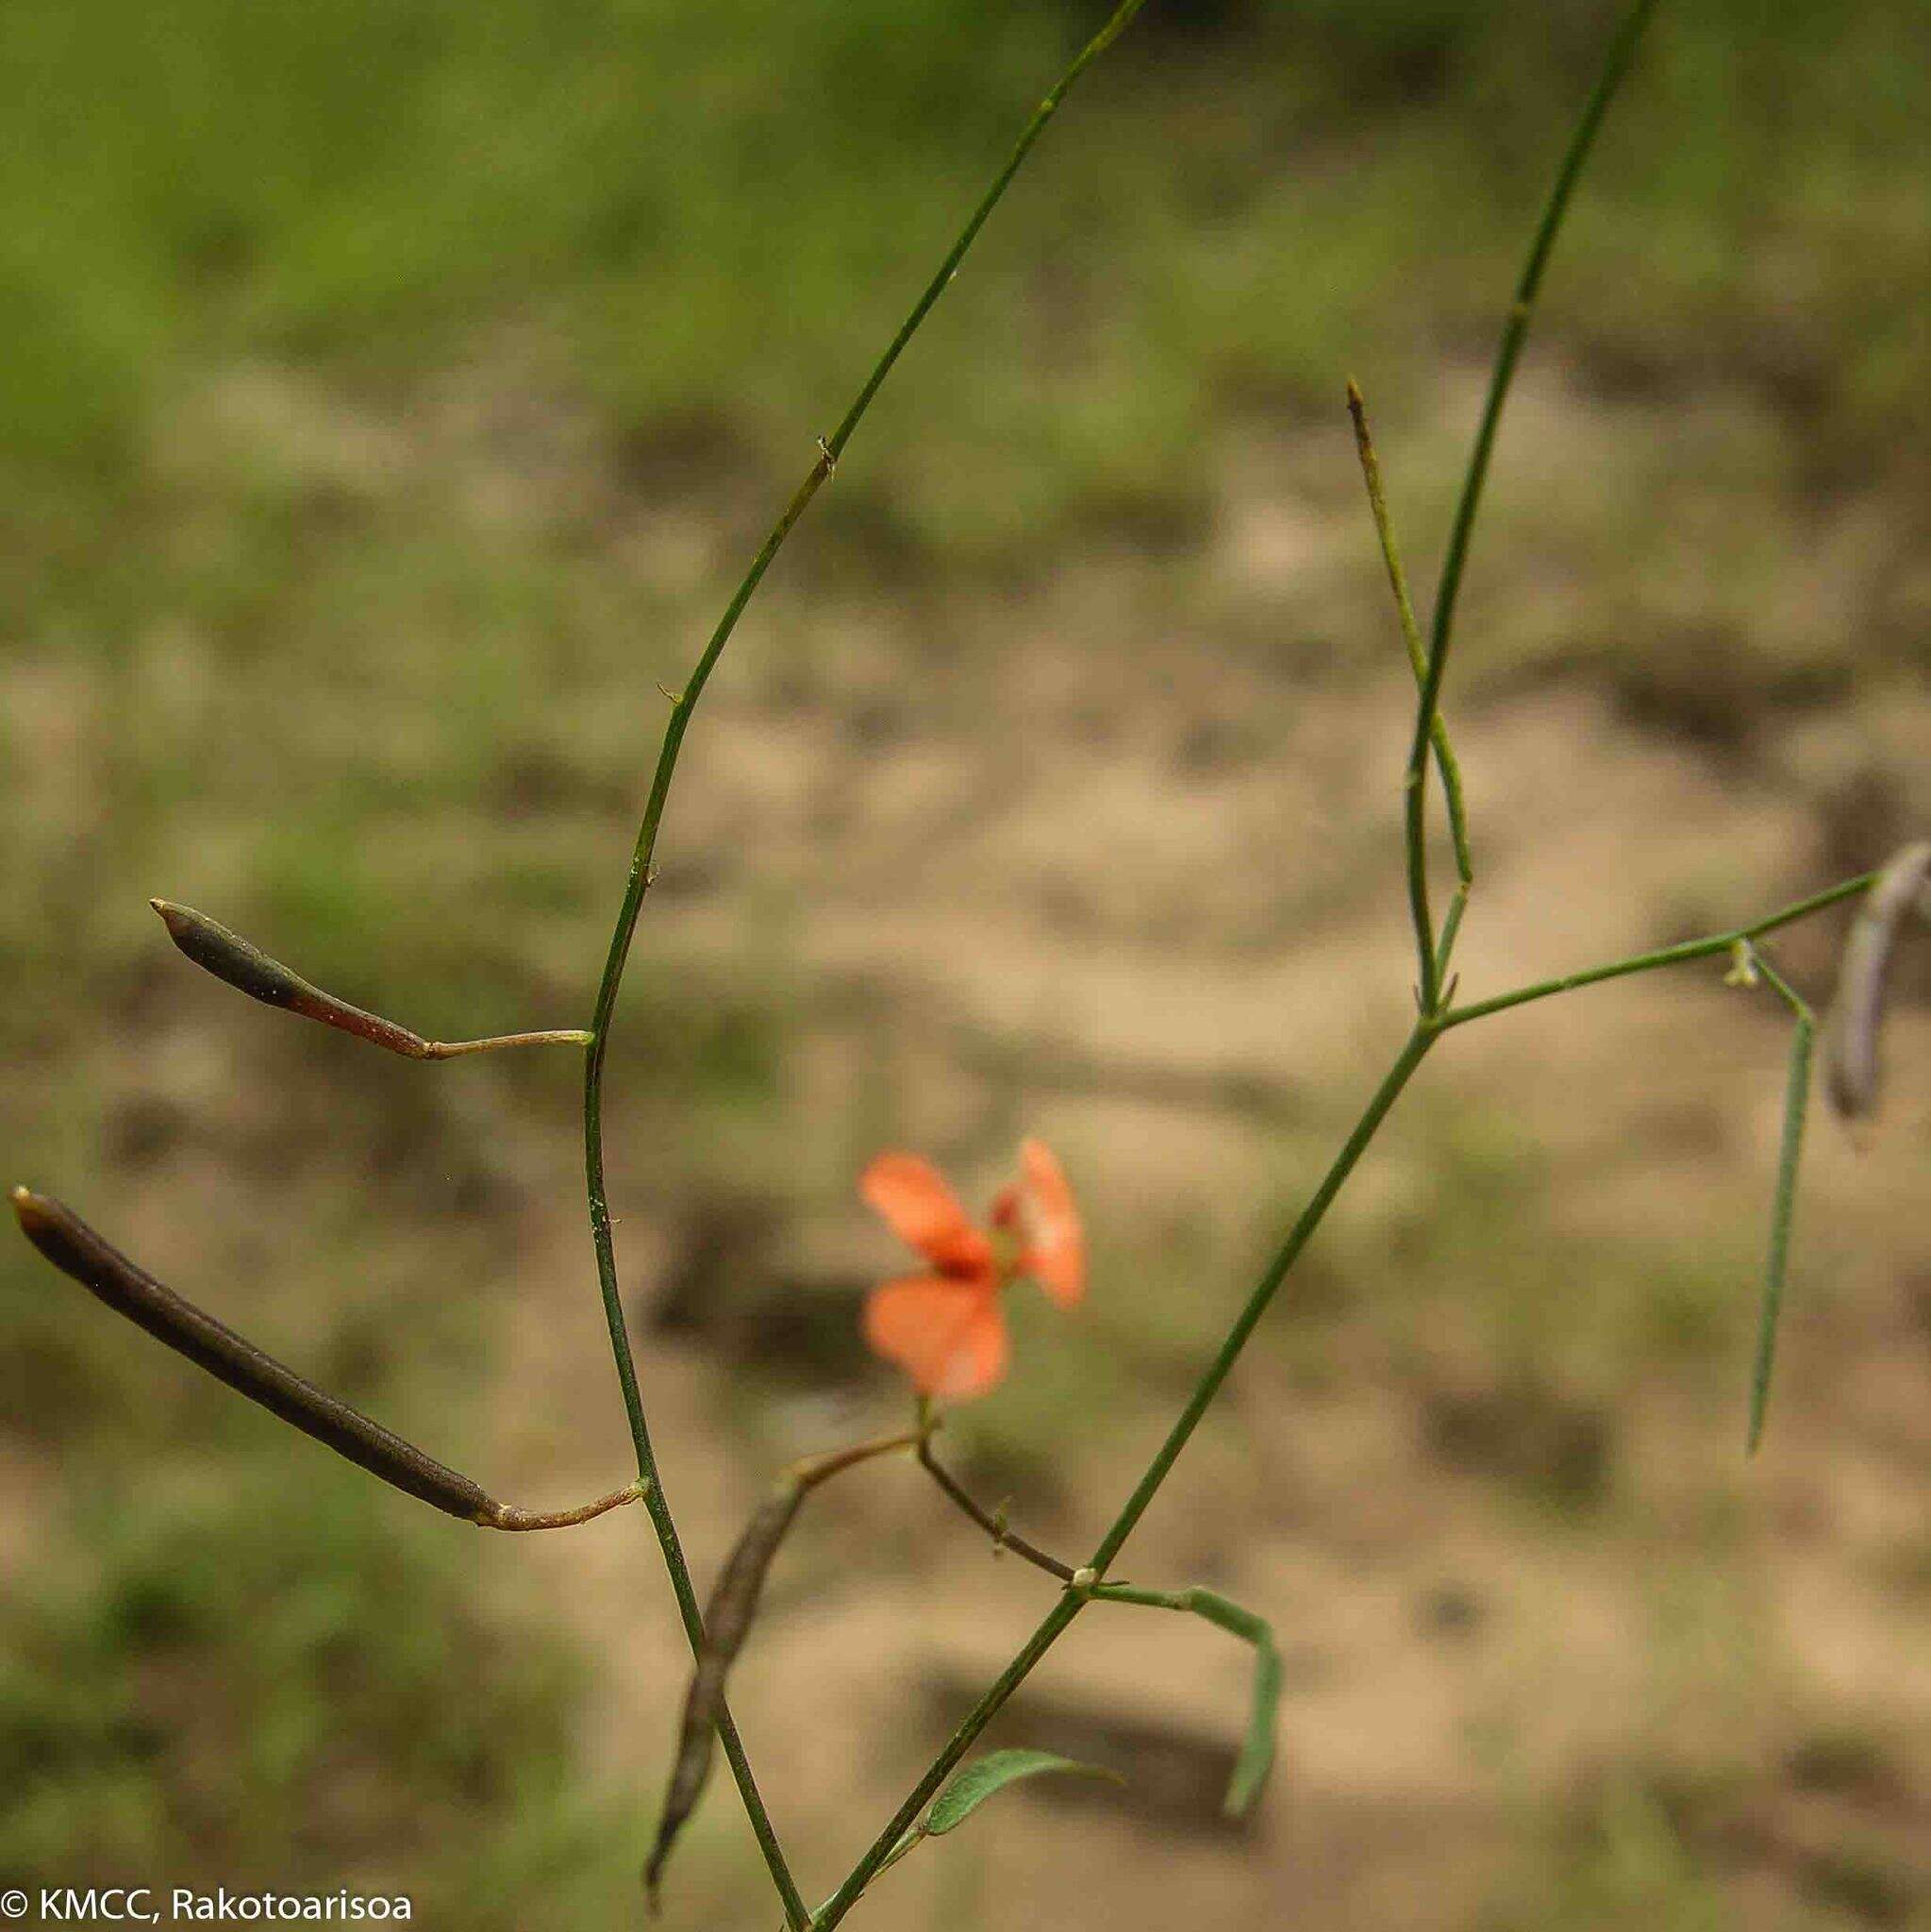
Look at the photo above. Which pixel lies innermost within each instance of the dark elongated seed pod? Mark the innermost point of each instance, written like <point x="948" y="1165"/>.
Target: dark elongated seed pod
<point x="1857" y="1012"/>
<point x="249" y="970"/>
<point x="76" y="1250"/>
<point x="726" y="1623"/>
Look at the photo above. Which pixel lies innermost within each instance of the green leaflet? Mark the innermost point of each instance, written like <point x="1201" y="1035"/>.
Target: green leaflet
<point x="971" y="1787"/>
<point x="1257" y="1748"/>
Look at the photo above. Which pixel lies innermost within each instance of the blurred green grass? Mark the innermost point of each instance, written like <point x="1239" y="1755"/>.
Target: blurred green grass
<point x="702" y="219"/>
<point x="272" y="1685"/>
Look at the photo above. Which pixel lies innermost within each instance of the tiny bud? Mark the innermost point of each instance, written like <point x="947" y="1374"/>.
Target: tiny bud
<point x="1085" y="1578"/>
<point x="1742" y="965"/>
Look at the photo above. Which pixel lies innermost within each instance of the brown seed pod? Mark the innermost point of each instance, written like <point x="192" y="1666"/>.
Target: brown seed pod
<point x="726" y="1623"/>
<point x="249" y="970"/>
<point x="1851" y="1028"/>
<point x="76" y="1250"/>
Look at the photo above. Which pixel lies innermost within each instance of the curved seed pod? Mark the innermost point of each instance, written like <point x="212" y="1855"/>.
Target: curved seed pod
<point x="249" y="970"/>
<point x="726" y="1622"/>
<point x="1851" y="1028"/>
<point x="76" y="1250"/>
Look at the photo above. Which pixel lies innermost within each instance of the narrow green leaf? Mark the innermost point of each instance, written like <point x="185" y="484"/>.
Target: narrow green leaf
<point x="1796" y="1095"/>
<point x="977" y="1782"/>
<point x="1256" y="1749"/>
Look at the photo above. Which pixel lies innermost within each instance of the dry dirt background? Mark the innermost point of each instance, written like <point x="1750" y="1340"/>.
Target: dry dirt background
<point x="1105" y="887"/>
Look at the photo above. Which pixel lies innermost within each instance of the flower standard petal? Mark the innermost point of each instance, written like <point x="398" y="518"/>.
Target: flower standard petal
<point x="925" y="1213"/>
<point x="1056" y="1239"/>
<point x="948" y="1335"/>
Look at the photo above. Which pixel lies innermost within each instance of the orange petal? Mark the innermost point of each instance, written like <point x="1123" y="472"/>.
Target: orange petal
<point x="948" y="1336"/>
<point x="1056" y="1240"/>
<point x="925" y="1213"/>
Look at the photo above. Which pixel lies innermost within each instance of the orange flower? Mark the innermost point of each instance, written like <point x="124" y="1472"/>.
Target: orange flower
<point x="947" y="1330"/>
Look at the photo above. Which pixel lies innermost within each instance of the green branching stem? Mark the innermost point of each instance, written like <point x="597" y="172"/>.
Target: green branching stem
<point x="1515" y="332"/>
<point x="1004" y="1538"/>
<point x="1418" y="662"/>
<point x="639" y="884"/>
<point x="1088" y="1583"/>
<point x="1077" y="1593"/>
<point x="1666" y="956"/>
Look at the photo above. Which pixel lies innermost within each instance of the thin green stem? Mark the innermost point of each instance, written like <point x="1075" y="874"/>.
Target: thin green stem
<point x="1425" y="1034"/>
<point x="1063" y="1613"/>
<point x="1799" y="1005"/>
<point x="1122" y="17"/>
<point x="1450" y="931"/>
<point x="1667" y="956"/>
<point x="1398" y="1076"/>
<point x="1514" y="333"/>
<point x="1075" y="1598"/>
<point x="1784" y="1200"/>
<point x="1418" y="662"/>
<point x="496" y="1042"/>
<point x="639" y="884"/>
<point x="1003" y="1537"/>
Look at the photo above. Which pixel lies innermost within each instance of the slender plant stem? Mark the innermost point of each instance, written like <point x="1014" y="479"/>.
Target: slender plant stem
<point x="1425" y="1033"/>
<point x="1217" y="1372"/>
<point x="1063" y="1613"/>
<point x="1667" y="956"/>
<point x="809" y="1471"/>
<point x="454" y="1049"/>
<point x="1397" y="1076"/>
<point x="1514" y="333"/>
<point x="1450" y="931"/>
<point x="1003" y="1537"/>
<point x="639" y="884"/>
<point x="1418" y="662"/>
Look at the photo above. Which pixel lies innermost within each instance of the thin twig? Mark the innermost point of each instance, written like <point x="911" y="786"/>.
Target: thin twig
<point x="727" y="1616"/>
<point x="1076" y="1594"/>
<point x="1418" y="663"/>
<point x="1515" y="332"/>
<point x="829" y="451"/>
<point x="1666" y="956"/>
<point x="1003" y="1537"/>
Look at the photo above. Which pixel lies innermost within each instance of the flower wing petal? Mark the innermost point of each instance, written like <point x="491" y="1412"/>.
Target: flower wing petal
<point x="948" y="1336"/>
<point x="1056" y="1239"/>
<point x="925" y="1213"/>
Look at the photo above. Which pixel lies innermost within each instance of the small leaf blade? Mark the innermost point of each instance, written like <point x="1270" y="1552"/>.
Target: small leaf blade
<point x="1257" y="1748"/>
<point x="1782" y="1205"/>
<point x="990" y="1775"/>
